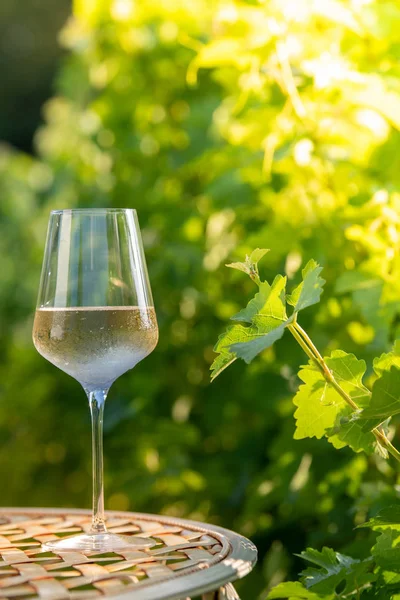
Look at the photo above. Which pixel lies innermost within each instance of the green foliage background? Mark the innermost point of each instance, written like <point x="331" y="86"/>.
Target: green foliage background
<point x="228" y="125"/>
<point x="29" y="54"/>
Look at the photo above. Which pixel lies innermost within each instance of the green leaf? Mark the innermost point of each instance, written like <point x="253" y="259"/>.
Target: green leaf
<point x="321" y="411"/>
<point x="334" y="569"/>
<point x="250" y="265"/>
<point x="273" y="311"/>
<point x="239" y="266"/>
<point x="267" y="314"/>
<point x="296" y="591"/>
<point x="258" y="254"/>
<point x="255" y="305"/>
<point x="309" y="291"/>
<point x="226" y="357"/>
<point x="386" y="518"/>
<point x="386" y="361"/>
<point x="385" y="399"/>
<point x="387" y="550"/>
<point x="256" y="342"/>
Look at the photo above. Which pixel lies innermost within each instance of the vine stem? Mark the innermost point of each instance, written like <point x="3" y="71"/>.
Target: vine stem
<point x="305" y="342"/>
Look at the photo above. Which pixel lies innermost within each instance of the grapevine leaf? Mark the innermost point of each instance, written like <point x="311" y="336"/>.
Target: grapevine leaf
<point x="273" y="312"/>
<point x="257" y="255"/>
<point x="267" y="309"/>
<point x="256" y="342"/>
<point x="294" y="590"/>
<point x="321" y="411"/>
<point x="221" y="363"/>
<point x="267" y="314"/>
<point x="239" y="266"/>
<point x="333" y="569"/>
<point x="386" y="361"/>
<point x="348" y="371"/>
<point x="387" y="550"/>
<point x="249" y="266"/>
<point x="348" y="432"/>
<point x="226" y="357"/>
<point x="385" y="399"/>
<point x="255" y="305"/>
<point x="388" y="517"/>
<point x="309" y="291"/>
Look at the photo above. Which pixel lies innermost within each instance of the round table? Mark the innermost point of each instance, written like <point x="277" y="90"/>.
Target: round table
<point x="189" y="560"/>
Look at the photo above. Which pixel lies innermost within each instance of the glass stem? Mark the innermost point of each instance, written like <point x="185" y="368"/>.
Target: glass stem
<point x="96" y="403"/>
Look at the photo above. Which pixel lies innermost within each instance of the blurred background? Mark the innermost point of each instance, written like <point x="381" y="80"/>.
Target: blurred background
<point x="228" y="125"/>
<point x="29" y="59"/>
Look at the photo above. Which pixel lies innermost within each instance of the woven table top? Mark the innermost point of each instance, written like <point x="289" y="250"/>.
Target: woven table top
<point x="189" y="558"/>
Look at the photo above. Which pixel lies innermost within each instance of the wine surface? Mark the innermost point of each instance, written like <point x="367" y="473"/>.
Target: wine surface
<point x="95" y="345"/>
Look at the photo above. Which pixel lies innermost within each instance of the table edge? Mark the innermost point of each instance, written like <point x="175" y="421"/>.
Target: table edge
<point x="239" y="562"/>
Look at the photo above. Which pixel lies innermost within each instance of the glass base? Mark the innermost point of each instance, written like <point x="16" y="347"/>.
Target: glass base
<point x="98" y="542"/>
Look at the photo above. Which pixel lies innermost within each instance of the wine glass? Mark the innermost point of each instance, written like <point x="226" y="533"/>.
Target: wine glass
<point x="95" y="320"/>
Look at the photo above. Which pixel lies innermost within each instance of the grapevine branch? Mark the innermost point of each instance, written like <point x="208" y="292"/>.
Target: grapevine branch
<point x="312" y="352"/>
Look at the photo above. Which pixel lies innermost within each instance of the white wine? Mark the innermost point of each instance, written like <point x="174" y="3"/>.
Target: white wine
<point x="95" y="320"/>
<point x="95" y="345"/>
